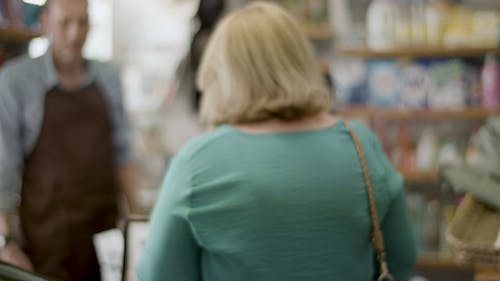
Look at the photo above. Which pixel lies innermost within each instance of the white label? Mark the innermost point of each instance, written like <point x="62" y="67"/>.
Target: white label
<point x="109" y="249"/>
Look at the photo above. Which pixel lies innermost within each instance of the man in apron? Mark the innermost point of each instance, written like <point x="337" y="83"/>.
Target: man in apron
<point x="64" y="152"/>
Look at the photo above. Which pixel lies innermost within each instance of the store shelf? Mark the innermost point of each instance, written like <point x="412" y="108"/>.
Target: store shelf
<point x="430" y="177"/>
<point x="17" y="35"/>
<point x="406" y="114"/>
<point x="428" y="262"/>
<point x="487" y="273"/>
<point x="437" y="259"/>
<point x="415" y="52"/>
<point x="440" y="267"/>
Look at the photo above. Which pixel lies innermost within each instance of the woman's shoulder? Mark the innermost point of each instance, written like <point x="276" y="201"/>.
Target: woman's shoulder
<point x="381" y="167"/>
<point x="361" y="128"/>
<point x="367" y="136"/>
<point x="204" y="142"/>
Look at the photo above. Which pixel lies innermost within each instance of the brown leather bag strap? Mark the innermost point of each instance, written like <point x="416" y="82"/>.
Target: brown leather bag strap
<point x="377" y="237"/>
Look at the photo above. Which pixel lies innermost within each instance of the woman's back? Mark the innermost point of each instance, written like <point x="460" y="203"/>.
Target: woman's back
<point x="272" y="205"/>
<point x="283" y="206"/>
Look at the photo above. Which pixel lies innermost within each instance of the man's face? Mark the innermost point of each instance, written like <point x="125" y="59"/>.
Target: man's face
<point x="66" y="22"/>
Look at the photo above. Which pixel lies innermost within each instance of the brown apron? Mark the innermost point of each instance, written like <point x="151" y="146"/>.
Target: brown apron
<point x="69" y="190"/>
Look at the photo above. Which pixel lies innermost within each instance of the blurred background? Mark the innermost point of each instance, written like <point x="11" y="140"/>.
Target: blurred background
<point x="424" y="74"/>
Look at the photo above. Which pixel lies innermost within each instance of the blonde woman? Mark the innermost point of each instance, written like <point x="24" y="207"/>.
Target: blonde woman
<point x="276" y="191"/>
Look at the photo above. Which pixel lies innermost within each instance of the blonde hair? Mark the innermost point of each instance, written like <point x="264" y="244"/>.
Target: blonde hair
<point x="259" y="65"/>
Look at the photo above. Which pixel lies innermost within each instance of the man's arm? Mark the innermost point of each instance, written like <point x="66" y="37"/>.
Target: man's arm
<point x="11" y="157"/>
<point x="126" y="171"/>
<point x="11" y="153"/>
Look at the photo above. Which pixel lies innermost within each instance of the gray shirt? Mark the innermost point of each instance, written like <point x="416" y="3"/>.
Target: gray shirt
<point x="24" y="83"/>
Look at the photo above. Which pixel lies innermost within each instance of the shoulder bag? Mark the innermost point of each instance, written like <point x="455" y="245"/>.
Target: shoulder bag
<point x="376" y="236"/>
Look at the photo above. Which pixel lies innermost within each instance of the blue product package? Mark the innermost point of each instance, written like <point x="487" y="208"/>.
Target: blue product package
<point x="415" y="85"/>
<point x="383" y="77"/>
<point x="448" y="87"/>
<point x="349" y="77"/>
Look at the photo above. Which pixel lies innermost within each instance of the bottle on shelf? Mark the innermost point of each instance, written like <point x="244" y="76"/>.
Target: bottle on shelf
<point x="402" y="35"/>
<point x="426" y="150"/>
<point x="381" y="21"/>
<point x="418" y="23"/>
<point x="490" y="82"/>
<point x="403" y="155"/>
<point x="435" y="15"/>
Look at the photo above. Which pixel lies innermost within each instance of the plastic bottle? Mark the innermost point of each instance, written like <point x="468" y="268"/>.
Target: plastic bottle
<point x="418" y="23"/>
<point x="436" y="14"/>
<point x="403" y="24"/>
<point x="381" y="22"/>
<point x="490" y="82"/>
<point x="426" y="150"/>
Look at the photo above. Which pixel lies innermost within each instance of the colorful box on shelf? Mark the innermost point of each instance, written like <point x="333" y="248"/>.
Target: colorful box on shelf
<point x="383" y="83"/>
<point x="437" y="83"/>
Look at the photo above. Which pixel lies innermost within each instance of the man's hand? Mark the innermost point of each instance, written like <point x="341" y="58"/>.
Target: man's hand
<point x="13" y="254"/>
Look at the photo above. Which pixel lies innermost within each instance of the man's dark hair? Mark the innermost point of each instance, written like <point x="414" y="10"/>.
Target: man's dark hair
<point x="209" y="12"/>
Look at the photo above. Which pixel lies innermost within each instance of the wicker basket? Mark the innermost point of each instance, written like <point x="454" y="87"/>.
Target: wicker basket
<point x="473" y="231"/>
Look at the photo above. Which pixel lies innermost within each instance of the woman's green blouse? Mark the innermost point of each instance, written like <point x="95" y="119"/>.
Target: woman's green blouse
<point x="288" y="206"/>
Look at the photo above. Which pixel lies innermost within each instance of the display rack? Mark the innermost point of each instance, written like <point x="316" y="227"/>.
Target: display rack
<point x="420" y="114"/>
<point x="428" y="115"/>
<point x="435" y="261"/>
<point x="444" y="267"/>
<point x="415" y="52"/>
<point x="400" y="114"/>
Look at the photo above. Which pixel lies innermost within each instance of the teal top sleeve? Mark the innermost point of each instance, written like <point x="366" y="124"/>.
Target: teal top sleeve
<point x="171" y="249"/>
<point x="398" y="237"/>
<point x="400" y="248"/>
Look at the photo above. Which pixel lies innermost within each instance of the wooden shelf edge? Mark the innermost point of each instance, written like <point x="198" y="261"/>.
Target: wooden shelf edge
<point x="429" y="114"/>
<point x="481" y="272"/>
<point x="415" y="52"/>
<point x="439" y="260"/>
<point x="17" y="35"/>
<point x="420" y="176"/>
